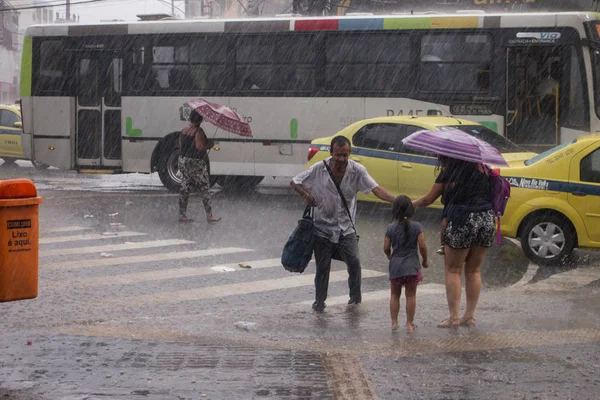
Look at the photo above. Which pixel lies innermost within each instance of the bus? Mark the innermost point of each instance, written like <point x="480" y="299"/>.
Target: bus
<point x="111" y="97"/>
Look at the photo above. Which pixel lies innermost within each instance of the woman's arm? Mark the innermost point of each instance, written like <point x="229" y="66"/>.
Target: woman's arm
<point x="436" y="191"/>
<point x="387" y="247"/>
<point x="200" y="139"/>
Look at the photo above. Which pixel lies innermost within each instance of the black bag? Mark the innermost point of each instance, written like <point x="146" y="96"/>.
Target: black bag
<point x="298" y="250"/>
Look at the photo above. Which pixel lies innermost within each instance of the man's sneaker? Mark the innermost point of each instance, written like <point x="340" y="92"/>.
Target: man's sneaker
<point x="318" y="307"/>
<point x="354" y="301"/>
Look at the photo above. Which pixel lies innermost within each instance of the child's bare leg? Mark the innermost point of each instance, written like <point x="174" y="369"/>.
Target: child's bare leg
<point x="411" y="306"/>
<point x="395" y="292"/>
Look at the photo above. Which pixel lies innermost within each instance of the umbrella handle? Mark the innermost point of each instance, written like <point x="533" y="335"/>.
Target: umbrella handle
<point x="215" y="134"/>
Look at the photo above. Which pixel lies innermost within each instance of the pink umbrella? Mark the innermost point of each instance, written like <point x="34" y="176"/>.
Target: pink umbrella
<point x="221" y="116"/>
<point x="455" y="143"/>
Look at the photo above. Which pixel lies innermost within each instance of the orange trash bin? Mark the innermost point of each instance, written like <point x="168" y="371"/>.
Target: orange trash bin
<point x="19" y="240"/>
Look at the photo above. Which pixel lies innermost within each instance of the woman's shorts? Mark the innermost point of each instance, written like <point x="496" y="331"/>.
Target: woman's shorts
<point x="477" y="230"/>
<point x="411" y="280"/>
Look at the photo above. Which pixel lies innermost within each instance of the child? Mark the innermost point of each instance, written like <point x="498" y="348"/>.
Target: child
<point x="402" y="239"/>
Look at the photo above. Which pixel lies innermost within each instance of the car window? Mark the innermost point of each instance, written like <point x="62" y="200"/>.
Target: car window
<point x="410" y="129"/>
<point x="590" y="167"/>
<point x="8" y="118"/>
<point x="379" y="136"/>
<point x="545" y="154"/>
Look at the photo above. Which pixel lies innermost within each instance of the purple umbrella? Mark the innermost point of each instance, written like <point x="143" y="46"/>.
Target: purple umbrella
<point x="455" y="143"/>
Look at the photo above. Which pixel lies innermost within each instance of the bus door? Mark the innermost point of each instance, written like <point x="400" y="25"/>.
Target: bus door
<point x="98" y="139"/>
<point x="533" y="89"/>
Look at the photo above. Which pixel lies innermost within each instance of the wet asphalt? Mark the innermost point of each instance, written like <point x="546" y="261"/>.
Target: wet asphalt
<point x="161" y="325"/>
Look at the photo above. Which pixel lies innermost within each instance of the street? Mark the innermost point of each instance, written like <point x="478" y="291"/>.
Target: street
<point x="133" y="304"/>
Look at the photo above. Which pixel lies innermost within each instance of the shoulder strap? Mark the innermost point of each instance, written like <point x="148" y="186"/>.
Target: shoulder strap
<point x="337" y="186"/>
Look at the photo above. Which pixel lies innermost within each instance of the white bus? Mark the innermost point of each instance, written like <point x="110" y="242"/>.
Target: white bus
<point x="109" y="97"/>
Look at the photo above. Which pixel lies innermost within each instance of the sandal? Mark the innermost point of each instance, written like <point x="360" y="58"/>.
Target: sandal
<point x="448" y="323"/>
<point x="212" y="220"/>
<point x="468" y="322"/>
<point x="185" y="219"/>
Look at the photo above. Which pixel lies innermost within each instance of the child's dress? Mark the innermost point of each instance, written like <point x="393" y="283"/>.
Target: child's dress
<point x="405" y="267"/>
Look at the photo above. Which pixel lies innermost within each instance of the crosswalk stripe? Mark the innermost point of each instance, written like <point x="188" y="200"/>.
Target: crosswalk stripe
<point x="241" y="288"/>
<point x="113" y="247"/>
<point x="126" y="279"/>
<point x="429" y="288"/>
<point x="76" y="238"/>
<point x="566" y="281"/>
<point x="65" y="229"/>
<point x="140" y="259"/>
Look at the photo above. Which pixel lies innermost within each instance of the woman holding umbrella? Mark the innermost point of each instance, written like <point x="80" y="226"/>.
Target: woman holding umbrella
<point x="465" y="184"/>
<point x="193" y="164"/>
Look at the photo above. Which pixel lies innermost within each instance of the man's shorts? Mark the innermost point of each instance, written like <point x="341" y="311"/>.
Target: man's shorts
<point x="477" y="230"/>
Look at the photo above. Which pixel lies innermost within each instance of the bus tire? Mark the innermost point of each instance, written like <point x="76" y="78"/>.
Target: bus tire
<point x="39" y="165"/>
<point x="239" y="183"/>
<point x="168" y="171"/>
<point x="169" y="175"/>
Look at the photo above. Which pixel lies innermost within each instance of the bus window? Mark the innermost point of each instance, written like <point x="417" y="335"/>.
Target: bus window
<point x="375" y="63"/>
<point x="275" y="63"/>
<point x="51" y="72"/>
<point x="577" y="109"/>
<point x="208" y="55"/>
<point x="455" y="62"/>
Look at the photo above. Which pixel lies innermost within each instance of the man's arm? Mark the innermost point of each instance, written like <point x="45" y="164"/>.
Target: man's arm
<point x="383" y="194"/>
<point x="302" y="192"/>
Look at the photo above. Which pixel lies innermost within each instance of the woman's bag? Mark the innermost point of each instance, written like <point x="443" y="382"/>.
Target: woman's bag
<point x="298" y="250"/>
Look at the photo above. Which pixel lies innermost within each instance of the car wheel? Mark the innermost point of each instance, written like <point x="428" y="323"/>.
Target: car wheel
<point x="548" y="239"/>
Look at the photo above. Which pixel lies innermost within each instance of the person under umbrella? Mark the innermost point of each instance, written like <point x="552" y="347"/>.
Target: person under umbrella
<point x="465" y="184"/>
<point x="193" y="164"/>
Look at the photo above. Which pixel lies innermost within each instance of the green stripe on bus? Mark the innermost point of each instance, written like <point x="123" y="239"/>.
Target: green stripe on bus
<point x="26" y="67"/>
<point x="294" y="128"/>
<point x="406" y="23"/>
<point x="490" y="124"/>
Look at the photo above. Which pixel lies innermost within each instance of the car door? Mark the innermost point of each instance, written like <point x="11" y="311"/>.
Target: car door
<point x="416" y="169"/>
<point x="10" y="135"/>
<point x="584" y="188"/>
<point x="374" y="146"/>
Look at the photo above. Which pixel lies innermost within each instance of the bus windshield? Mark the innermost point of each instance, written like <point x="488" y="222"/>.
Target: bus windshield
<point x="487" y="135"/>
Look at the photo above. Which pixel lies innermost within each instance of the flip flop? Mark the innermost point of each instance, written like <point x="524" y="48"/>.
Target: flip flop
<point x="447" y="323"/>
<point x="468" y="322"/>
<point x="212" y="221"/>
<point x="185" y="219"/>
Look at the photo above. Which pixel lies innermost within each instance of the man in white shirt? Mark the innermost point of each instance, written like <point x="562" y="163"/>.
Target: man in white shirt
<point x="333" y="227"/>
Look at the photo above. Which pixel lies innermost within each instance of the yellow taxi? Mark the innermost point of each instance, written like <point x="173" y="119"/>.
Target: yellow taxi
<point x="10" y="134"/>
<point x="377" y="144"/>
<point x="555" y="201"/>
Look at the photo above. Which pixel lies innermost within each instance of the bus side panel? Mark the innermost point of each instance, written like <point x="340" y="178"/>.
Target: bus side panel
<point x="26" y="116"/>
<point x="54" y="131"/>
<point x="284" y="127"/>
<point x="404" y="106"/>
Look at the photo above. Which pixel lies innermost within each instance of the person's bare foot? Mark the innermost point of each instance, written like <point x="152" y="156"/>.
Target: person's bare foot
<point x="394" y="326"/>
<point x="410" y="327"/>
<point x="213" y="219"/>
<point x="467" y="321"/>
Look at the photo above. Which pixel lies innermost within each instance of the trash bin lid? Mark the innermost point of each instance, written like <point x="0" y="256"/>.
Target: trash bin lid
<point x="17" y="189"/>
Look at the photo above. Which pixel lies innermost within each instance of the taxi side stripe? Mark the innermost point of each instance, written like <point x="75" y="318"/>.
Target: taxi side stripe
<point x="388" y="155"/>
<point x="555" y="186"/>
